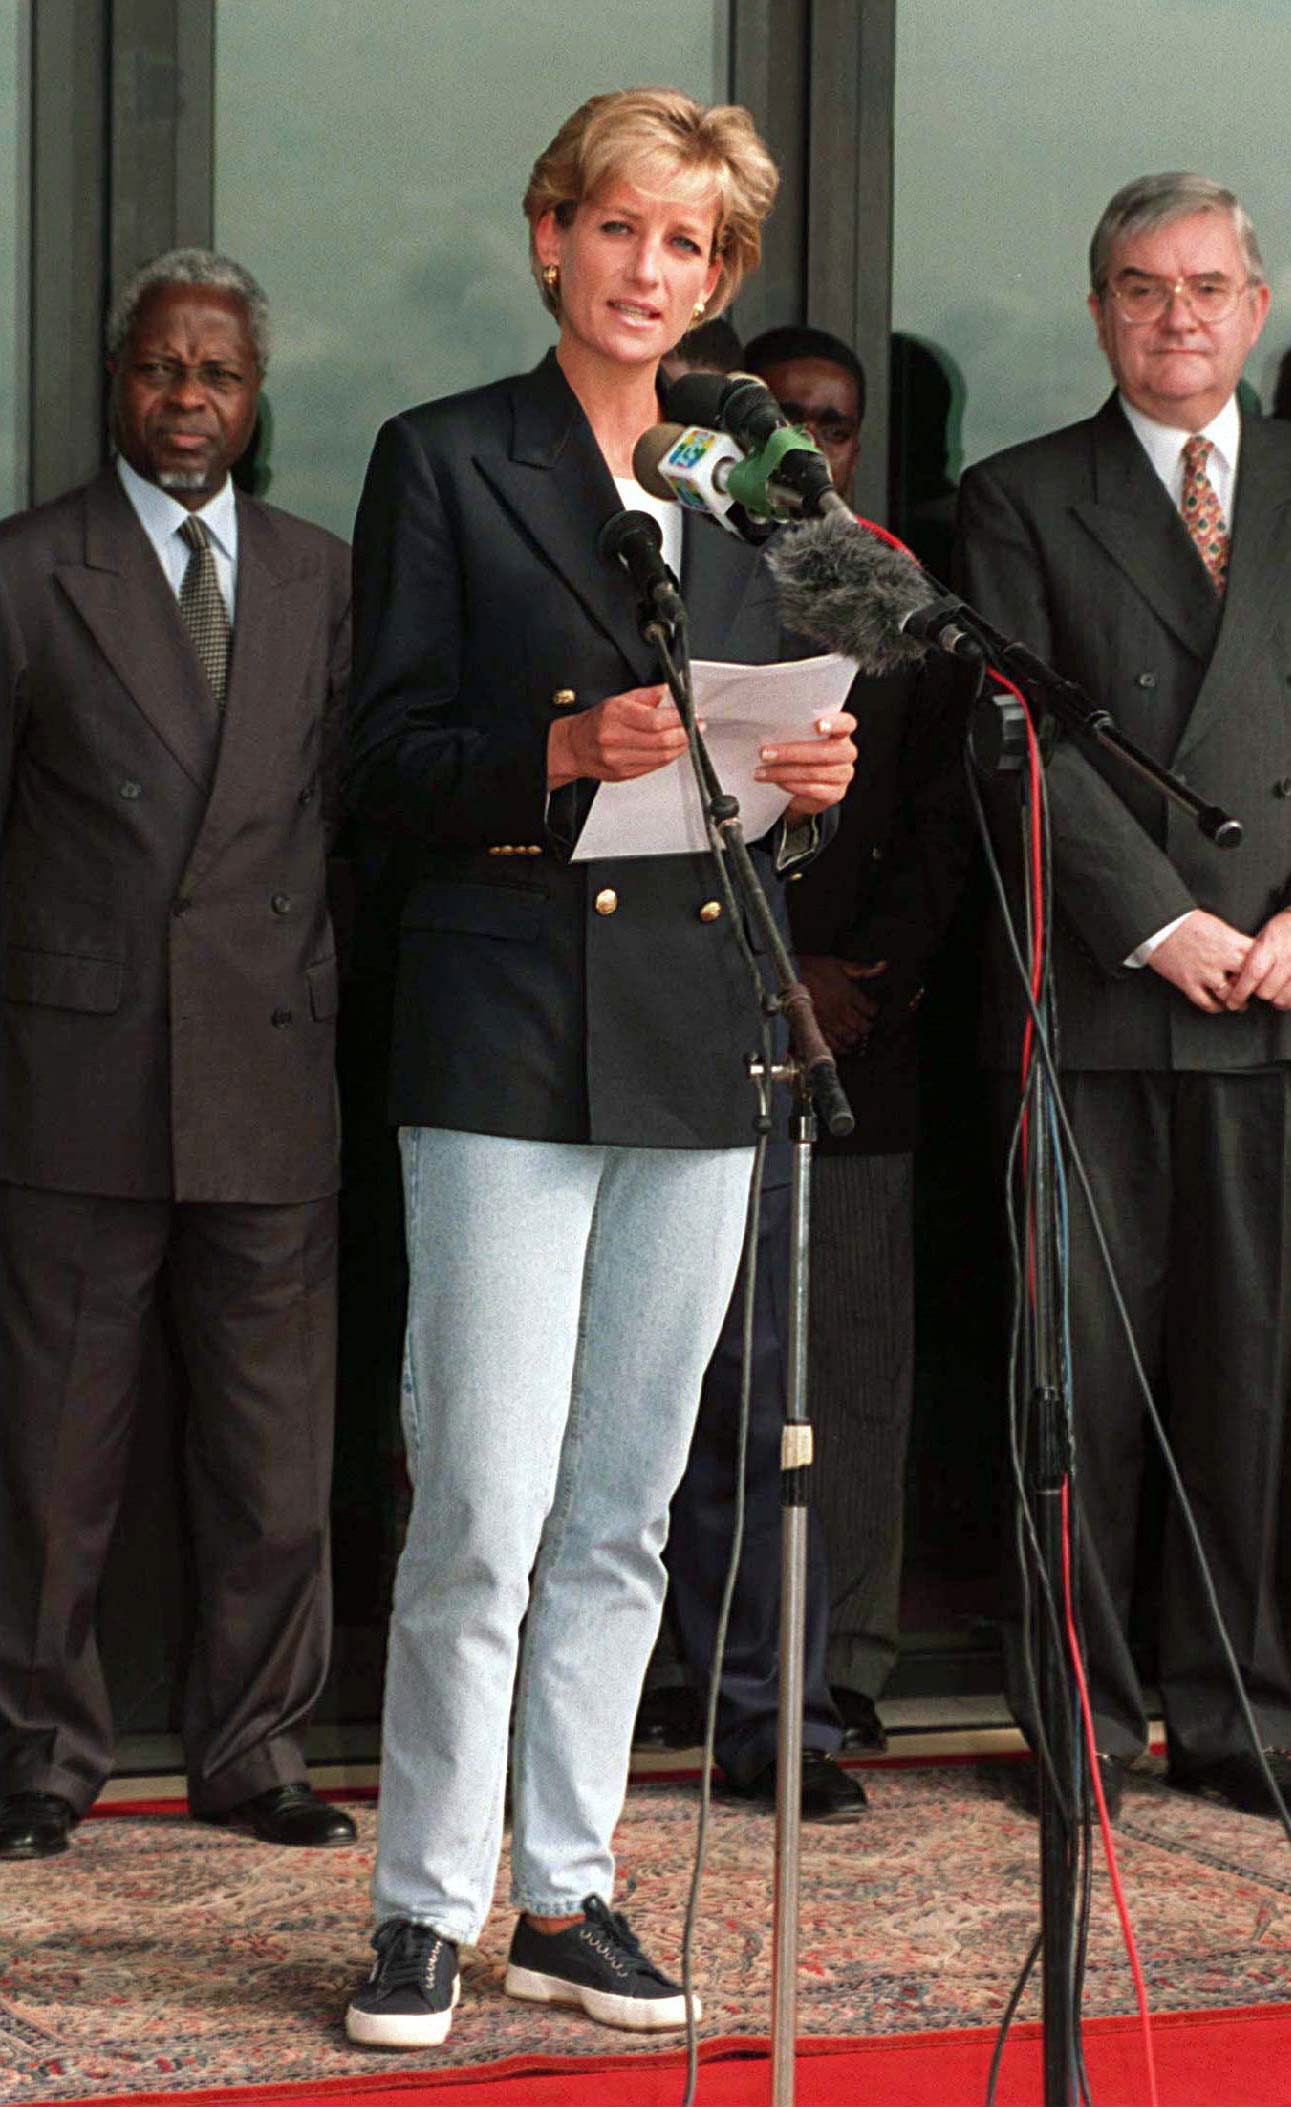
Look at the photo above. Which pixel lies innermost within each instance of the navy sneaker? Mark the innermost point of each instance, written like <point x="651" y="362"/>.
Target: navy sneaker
<point x="407" y="2001"/>
<point x="599" y="1966"/>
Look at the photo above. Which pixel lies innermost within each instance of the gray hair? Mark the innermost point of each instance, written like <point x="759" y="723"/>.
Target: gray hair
<point x="1154" y="201"/>
<point x="191" y="267"/>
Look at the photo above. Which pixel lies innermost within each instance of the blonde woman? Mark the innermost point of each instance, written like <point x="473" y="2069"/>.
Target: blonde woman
<point x="567" y="1066"/>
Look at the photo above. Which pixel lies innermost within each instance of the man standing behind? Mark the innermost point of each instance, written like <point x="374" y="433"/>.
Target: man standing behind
<point x="867" y="920"/>
<point x="174" y="658"/>
<point x="1147" y="554"/>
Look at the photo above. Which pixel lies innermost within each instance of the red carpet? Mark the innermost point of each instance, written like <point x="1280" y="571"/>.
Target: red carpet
<point x="1204" y="2059"/>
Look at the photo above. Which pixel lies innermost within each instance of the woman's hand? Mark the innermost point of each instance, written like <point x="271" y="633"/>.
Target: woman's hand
<point x="626" y="735"/>
<point x="815" y="772"/>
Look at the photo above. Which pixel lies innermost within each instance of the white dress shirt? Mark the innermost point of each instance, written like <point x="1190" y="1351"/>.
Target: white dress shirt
<point x="1164" y="444"/>
<point x="161" y="516"/>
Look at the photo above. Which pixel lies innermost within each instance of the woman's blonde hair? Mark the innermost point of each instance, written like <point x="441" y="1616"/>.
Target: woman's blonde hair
<point x="667" y="145"/>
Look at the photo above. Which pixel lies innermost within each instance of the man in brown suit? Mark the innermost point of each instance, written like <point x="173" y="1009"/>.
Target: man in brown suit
<point x="172" y="659"/>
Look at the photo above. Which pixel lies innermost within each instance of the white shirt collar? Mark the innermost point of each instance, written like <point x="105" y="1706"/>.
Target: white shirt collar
<point x="1164" y="443"/>
<point x="161" y="516"/>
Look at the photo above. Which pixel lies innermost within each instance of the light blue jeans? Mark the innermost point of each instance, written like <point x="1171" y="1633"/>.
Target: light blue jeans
<point x="563" y="1304"/>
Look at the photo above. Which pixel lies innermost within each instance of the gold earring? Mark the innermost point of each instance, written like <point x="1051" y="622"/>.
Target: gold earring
<point x="697" y="314"/>
<point x="551" y="279"/>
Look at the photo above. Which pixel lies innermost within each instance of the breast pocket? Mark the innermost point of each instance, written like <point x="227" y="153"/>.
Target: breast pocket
<point x="62" y="980"/>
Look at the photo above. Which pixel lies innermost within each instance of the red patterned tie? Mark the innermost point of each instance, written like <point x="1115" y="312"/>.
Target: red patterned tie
<point x="1199" y="504"/>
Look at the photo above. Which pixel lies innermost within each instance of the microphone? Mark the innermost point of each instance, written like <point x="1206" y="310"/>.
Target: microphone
<point x="738" y="403"/>
<point x="635" y="540"/>
<point x="694" y="466"/>
<point x="850" y="591"/>
<point x="788" y="479"/>
<point x="790" y="476"/>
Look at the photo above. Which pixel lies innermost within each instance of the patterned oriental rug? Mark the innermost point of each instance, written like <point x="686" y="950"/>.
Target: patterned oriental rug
<point x="163" y="1957"/>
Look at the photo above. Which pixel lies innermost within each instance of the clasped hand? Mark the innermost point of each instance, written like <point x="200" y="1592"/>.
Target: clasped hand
<point x="1220" y="968"/>
<point x="634" y="733"/>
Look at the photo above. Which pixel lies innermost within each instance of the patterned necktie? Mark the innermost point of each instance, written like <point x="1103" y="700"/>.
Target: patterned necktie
<point x="1199" y="504"/>
<point x="201" y="603"/>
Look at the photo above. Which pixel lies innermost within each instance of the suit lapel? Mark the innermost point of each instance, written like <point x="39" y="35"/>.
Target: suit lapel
<point x="279" y="606"/>
<point x="555" y="481"/>
<point x="1133" y="520"/>
<point x="1258" y="568"/>
<point x="126" y="603"/>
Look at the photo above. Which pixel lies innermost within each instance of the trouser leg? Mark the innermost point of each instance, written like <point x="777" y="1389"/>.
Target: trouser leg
<point x="862" y="1392"/>
<point x="254" y="1294"/>
<point x="661" y="1264"/>
<point x="1121" y="1124"/>
<point x="703" y="1516"/>
<point x="77" y="1281"/>
<point x="497" y="1242"/>
<point x="1227" y="1332"/>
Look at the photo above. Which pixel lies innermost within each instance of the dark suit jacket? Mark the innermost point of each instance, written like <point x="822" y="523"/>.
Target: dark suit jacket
<point x="1072" y="544"/>
<point x="481" y="610"/>
<point x="888" y="884"/>
<point x="168" y="968"/>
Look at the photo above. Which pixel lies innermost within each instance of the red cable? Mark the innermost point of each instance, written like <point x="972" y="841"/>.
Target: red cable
<point x="1095" y="1772"/>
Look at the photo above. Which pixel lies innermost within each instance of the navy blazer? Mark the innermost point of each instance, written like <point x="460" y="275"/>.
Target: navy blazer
<point x="533" y="996"/>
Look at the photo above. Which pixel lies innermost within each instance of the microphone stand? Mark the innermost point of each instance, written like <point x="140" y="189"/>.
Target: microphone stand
<point x="810" y="1071"/>
<point x="997" y="746"/>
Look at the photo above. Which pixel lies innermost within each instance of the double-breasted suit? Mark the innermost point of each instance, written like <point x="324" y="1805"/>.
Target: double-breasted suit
<point x="1073" y="544"/>
<point x="167" y="1113"/>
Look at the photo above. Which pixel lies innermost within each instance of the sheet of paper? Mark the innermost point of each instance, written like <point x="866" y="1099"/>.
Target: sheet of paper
<point x="744" y="708"/>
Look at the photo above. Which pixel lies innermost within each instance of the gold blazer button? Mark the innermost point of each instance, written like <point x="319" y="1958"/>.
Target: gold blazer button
<point x="710" y="910"/>
<point x="607" y="902"/>
<point x="564" y="699"/>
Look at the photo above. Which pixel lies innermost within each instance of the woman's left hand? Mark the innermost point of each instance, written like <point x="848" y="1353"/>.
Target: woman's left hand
<point x="815" y="772"/>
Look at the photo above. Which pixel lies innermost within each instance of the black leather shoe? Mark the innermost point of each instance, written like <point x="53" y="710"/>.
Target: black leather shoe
<point x="35" y="1824"/>
<point x="1235" y="1781"/>
<point x="290" y="1814"/>
<point x="862" y="1727"/>
<point x="668" y="1719"/>
<point x="829" y="1793"/>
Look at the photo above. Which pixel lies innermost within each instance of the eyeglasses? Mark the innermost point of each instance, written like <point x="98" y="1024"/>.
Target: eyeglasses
<point x="829" y="428"/>
<point x="1210" y="296"/>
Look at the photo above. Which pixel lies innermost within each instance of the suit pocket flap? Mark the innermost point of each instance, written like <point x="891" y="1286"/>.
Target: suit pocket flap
<point x="324" y="989"/>
<point x="476" y="910"/>
<point x="64" y="980"/>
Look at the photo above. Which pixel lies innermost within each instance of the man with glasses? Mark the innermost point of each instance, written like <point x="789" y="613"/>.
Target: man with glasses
<point x="1146" y="552"/>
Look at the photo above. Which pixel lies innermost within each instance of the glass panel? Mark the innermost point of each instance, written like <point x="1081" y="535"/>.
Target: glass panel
<point x="369" y="168"/>
<point x="14" y="155"/>
<point x="1014" y="125"/>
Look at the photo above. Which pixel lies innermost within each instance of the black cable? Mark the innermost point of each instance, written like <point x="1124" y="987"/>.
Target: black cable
<point x="1010" y="2013"/>
<point x="1044" y="1055"/>
<point x="1044" y="1052"/>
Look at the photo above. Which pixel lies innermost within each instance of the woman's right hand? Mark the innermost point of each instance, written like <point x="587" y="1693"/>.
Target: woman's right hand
<point x="626" y="735"/>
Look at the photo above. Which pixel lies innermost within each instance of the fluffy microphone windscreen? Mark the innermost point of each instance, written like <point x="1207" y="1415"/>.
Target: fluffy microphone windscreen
<point x="649" y="452"/>
<point x="846" y="589"/>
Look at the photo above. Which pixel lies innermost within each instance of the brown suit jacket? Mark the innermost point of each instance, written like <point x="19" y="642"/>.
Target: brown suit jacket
<point x="168" y="971"/>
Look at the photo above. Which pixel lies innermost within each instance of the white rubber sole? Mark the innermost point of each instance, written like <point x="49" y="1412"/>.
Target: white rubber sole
<point x="401" y="2029"/>
<point x="639" y="2015"/>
